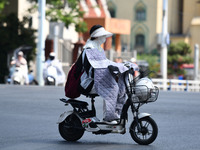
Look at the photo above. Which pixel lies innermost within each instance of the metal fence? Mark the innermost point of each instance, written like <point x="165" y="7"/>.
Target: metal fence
<point x="65" y="54"/>
<point x="177" y="85"/>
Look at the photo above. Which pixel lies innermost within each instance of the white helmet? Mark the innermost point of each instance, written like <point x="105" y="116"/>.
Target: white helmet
<point x="20" y="53"/>
<point x="143" y="89"/>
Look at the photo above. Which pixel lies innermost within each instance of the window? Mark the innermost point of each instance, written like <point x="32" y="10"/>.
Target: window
<point x="139" y="40"/>
<point x="140" y="14"/>
<point x="140" y="11"/>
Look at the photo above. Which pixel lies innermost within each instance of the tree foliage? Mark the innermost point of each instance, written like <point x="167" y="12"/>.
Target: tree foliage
<point x="153" y="61"/>
<point x="66" y="11"/>
<point x="2" y="5"/>
<point x="178" y="55"/>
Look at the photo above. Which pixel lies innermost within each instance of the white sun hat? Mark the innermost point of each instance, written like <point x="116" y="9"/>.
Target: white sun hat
<point x="53" y="54"/>
<point x="101" y="32"/>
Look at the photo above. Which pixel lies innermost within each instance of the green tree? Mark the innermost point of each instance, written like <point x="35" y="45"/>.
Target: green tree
<point x="13" y="34"/>
<point x="3" y="3"/>
<point x="178" y="54"/>
<point x="56" y="12"/>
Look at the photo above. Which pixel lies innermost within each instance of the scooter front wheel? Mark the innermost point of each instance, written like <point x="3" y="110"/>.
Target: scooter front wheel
<point x="145" y="131"/>
<point x="71" y="129"/>
<point x="16" y="82"/>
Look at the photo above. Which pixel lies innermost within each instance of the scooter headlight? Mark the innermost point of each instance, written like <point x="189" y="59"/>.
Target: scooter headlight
<point x="50" y="79"/>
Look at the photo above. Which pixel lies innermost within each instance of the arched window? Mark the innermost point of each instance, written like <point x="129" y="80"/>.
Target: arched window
<point x="139" y="40"/>
<point x="139" y="36"/>
<point x="140" y="12"/>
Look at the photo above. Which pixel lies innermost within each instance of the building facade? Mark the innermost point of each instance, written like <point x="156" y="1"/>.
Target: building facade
<point x="145" y="17"/>
<point x="146" y="22"/>
<point x="96" y="12"/>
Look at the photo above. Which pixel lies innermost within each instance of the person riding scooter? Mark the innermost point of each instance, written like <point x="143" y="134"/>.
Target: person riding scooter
<point x="97" y="77"/>
<point x="20" y="73"/>
<point x="53" y="69"/>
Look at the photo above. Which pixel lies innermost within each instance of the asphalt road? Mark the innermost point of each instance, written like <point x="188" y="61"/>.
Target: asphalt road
<point x="28" y="116"/>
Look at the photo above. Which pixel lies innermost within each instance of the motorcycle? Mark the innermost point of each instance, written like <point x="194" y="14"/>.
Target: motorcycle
<point x="143" y="129"/>
<point x="17" y="77"/>
<point x="16" y="72"/>
<point x="51" y="75"/>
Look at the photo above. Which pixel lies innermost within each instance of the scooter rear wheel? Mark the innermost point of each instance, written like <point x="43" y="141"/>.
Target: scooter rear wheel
<point x="145" y="132"/>
<point x="71" y="129"/>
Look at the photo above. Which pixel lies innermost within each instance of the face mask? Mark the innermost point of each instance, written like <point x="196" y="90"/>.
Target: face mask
<point x="101" y="40"/>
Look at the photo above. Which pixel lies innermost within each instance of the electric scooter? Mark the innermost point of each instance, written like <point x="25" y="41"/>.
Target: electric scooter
<point x="143" y="129"/>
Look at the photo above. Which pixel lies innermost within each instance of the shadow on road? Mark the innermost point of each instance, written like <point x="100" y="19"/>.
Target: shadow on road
<point x="105" y="145"/>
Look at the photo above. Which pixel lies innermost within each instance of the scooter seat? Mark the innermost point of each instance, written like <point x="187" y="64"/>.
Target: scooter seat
<point x="77" y="103"/>
<point x="91" y="95"/>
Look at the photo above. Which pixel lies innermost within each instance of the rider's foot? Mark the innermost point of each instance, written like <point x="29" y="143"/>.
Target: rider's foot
<point x="111" y="121"/>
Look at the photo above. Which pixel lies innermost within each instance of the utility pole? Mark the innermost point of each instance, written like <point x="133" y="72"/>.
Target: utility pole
<point x="41" y="42"/>
<point x="196" y="61"/>
<point x="164" y="43"/>
<point x="55" y="41"/>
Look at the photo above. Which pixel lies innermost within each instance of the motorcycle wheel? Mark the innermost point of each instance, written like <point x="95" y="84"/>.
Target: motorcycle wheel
<point x="16" y="82"/>
<point x="147" y="133"/>
<point x="71" y="128"/>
